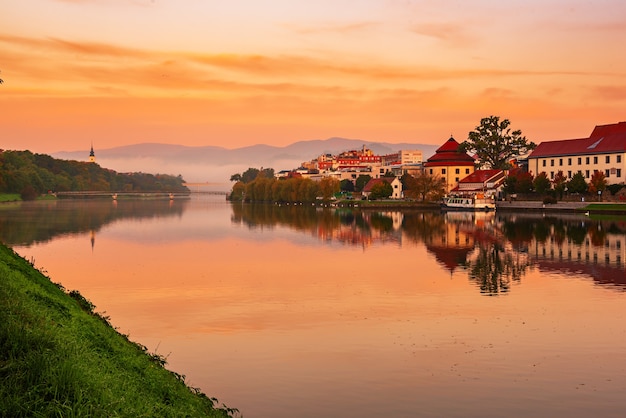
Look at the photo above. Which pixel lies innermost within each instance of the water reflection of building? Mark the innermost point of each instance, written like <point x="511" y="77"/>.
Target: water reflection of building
<point x="452" y="247"/>
<point x="365" y="228"/>
<point x="599" y="254"/>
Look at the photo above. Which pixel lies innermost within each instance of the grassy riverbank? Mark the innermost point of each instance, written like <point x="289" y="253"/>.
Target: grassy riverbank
<point x="59" y="358"/>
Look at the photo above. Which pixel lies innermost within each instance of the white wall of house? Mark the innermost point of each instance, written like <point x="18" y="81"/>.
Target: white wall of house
<point x="612" y="165"/>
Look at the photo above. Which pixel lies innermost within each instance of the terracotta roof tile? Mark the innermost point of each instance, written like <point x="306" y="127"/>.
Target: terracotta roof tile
<point x="604" y="139"/>
<point x="480" y="176"/>
<point x="368" y="186"/>
<point x="448" y="154"/>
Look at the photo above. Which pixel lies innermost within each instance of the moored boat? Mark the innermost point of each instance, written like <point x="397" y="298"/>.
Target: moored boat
<point x="474" y="202"/>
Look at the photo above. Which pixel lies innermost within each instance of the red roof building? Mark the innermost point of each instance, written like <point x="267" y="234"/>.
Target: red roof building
<point x="480" y="181"/>
<point x="449" y="163"/>
<point x="395" y="183"/>
<point x="604" y="150"/>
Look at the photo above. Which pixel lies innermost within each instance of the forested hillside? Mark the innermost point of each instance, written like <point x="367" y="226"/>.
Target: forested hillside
<point x="31" y="174"/>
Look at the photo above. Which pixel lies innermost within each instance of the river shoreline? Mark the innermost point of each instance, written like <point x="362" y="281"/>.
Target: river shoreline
<point x="58" y="357"/>
<point x="590" y="208"/>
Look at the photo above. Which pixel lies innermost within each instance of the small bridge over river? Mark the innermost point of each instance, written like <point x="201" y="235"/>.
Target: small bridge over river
<point x="194" y="188"/>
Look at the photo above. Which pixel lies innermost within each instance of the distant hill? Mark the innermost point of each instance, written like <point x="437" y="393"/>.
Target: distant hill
<point x="216" y="164"/>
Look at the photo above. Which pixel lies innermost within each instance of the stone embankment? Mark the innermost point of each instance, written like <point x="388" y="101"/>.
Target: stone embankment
<point x="538" y="206"/>
<point x="563" y="206"/>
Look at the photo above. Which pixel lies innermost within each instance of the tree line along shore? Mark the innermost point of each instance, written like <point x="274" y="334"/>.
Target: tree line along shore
<point x="29" y="176"/>
<point x="58" y="357"/>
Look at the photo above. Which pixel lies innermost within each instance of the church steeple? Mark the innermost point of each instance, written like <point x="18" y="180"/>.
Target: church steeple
<point x="92" y="156"/>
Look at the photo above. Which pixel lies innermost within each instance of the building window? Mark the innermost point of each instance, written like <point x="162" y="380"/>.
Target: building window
<point x="457" y="171"/>
<point x="619" y="158"/>
<point x="606" y="173"/>
<point x="431" y="171"/>
<point x="552" y="162"/>
<point x="586" y="160"/>
<point x="467" y="171"/>
<point x="619" y="172"/>
<point x="569" y="174"/>
<point x="443" y="171"/>
<point x="569" y="161"/>
<point x="595" y="160"/>
<point x="544" y="163"/>
<point x="551" y="174"/>
<point x="607" y="159"/>
<point x="587" y="173"/>
<point x="456" y="179"/>
<point x="560" y="161"/>
<point x="580" y="160"/>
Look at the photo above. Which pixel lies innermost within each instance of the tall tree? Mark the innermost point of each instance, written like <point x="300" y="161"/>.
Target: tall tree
<point x="328" y="187"/>
<point x="361" y="181"/>
<point x="494" y="144"/>
<point x="381" y="190"/>
<point x="559" y="182"/>
<point x="518" y="182"/>
<point x="346" y="185"/>
<point x="541" y="183"/>
<point x="577" y="184"/>
<point x="597" y="183"/>
<point x="423" y="186"/>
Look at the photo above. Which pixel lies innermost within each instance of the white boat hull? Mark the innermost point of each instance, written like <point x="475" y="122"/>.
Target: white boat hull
<point x="469" y="203"/>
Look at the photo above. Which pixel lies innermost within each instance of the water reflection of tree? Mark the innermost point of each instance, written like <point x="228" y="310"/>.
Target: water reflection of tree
<point x="494" y="268"/>
<point x="26" y="223"/>
<point x="423" y="226"/>
<point x="496" y="250"/>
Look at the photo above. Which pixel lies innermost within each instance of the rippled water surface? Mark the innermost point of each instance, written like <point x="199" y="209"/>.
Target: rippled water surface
<point x="305" y="312"/>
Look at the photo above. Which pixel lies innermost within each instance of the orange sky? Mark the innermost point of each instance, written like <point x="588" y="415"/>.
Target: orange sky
<point x="204" y="72"/>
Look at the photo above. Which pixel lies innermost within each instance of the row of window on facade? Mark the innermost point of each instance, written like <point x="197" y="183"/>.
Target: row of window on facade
<point x="616" y="172"/>
<point x="456" y="171"/>
<point x="607" y="160"/>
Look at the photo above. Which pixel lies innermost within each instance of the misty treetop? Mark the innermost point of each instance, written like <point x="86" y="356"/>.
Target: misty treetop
<point x="29" y="174"/>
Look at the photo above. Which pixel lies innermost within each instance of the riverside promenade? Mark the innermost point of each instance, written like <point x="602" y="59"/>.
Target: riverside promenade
<point x="562" y="206"/>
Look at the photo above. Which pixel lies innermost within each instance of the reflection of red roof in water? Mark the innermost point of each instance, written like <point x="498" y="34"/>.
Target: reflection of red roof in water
<point x="449" y="257"/>
<point x="601" y="273"/>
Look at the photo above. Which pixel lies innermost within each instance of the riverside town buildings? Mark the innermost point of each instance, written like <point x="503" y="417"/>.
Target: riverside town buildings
<point x="604" y="151"/>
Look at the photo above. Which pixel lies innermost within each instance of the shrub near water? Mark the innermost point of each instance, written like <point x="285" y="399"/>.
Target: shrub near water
<point x="58" y="358"/>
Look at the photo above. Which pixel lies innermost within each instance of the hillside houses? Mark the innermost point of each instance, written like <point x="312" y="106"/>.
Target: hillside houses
<point x="349" y="165"/>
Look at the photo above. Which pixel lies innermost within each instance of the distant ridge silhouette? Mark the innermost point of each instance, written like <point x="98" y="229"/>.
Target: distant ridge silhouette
<point x="217" y="164"/>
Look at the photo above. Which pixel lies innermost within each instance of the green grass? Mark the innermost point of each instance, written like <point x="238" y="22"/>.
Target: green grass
<point x="606" y="207"/>
<point x="9" y="197"/>
<point x="59" y="358"/>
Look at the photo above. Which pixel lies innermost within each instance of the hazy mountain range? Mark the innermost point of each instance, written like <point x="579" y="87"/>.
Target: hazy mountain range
<point x="216" y="164"/>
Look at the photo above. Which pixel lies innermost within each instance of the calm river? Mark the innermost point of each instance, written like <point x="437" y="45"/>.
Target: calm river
<point x="303" y="312"/>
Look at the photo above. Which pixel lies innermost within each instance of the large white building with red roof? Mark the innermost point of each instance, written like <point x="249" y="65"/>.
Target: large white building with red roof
<point x="604" y="151"/>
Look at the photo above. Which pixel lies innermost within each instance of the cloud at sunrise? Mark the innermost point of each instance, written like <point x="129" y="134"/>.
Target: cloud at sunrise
<point x="232" y="74"/>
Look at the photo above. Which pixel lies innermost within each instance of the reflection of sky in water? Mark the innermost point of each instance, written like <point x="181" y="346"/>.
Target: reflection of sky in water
<point x="303" y="322"/>
<point x="210" y="222"/>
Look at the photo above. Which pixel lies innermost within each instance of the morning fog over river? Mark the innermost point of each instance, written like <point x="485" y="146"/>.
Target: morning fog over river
<point x="308" y="312"/>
